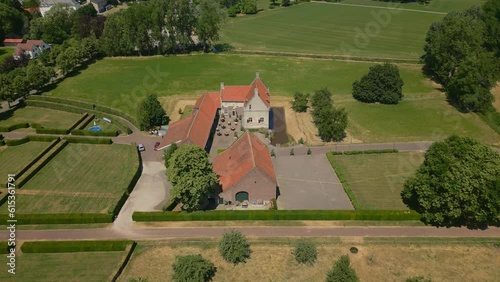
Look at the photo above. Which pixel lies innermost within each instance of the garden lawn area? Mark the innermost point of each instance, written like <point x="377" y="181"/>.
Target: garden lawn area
<point x="47" y="118"/>
<point x="187" y="111"/>
<point x="6" y="52"/>
<point x="106" y="126"/>
<point x="82" y="266"/>
<point x="321" y="28"/>
<point x="82" y="178"/>
<point x="377" y="179"/>
<point x="14" y="158"/>
<point x="423" y="115"/>
<point x="272" y="260"/>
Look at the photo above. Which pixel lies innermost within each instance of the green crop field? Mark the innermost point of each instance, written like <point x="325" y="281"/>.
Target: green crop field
<point x="423" y="115"/>
<point x="63" y="267"/>
<point x="377" y="180"/>
<point x="46" y="117"/>
<point x="82" y="178"/>
<point x="13" y="158"/>
<point x="6" y="52"/>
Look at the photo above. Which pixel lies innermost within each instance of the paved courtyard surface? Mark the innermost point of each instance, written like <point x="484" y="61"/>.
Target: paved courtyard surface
<point x="309" y="183"/>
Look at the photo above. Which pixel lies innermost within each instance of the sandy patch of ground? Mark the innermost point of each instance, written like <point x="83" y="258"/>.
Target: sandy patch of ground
<point x="373" y="262"/>
<point x="181" y="104"/>
<point x="496" y="94"/>
<point x="171" y="104"/>
<point x="300" y="125"/>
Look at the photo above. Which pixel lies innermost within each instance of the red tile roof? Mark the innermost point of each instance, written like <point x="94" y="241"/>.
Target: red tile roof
<point x="196" y="128"/>
<point x="235" y="93"/>
<point x="13" y="40"/>
<point x="262" y="90"/>
<point x="246" y="154"/>
<point x="28" y="46"/>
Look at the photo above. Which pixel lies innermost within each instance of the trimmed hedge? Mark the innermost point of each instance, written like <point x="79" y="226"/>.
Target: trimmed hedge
<point x="221" y="215"/>
<point x="365" y="152"/>
<point x="94" y="133"/>
<point x="88" y="106"/>
<point x="79" y="121"/>
<point x="75" y="246"/>
<point x="86" y="121"/>
<point x="130" y="188"/>
<point x="72" y="109"/>
<point x="106" y="141"/>
<point x="41" y="130"/>
<point x="15" y="142"/>
<point x="38" y="157"/>
<point x="125" y="262"/>
<point x="60" y="218"/>
<point x="14" y="127"/>
<point x="343" y="180"/>
<point x="40" y="164"/>
<point x="42" y="138"/>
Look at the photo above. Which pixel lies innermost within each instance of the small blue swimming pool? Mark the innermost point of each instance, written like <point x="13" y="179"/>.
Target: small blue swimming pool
<point x="95" y="128"/>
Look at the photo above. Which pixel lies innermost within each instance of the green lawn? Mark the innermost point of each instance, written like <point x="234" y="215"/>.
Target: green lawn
<point x="6" y="52"/>
<point x="81" y="178"/>
<point x="106" y="126"/>
<point x="187" y="111"/>
<point x="63" y="267"/>
<point x="435" y="5"/>
<point x="332" y="29"/>
<point x="13" y="158"/>
<point x="377" y="180"/>
<point x="46" y="117"/>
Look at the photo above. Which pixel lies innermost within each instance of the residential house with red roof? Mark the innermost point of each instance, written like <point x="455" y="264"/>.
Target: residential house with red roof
<point x="246" y="171"/>
<point x="32" y="48"/>
<point x="12" y="42"/>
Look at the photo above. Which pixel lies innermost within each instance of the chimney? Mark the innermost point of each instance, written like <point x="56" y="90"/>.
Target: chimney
<point x="257" y="74"/>
<point x="222" y="86"/>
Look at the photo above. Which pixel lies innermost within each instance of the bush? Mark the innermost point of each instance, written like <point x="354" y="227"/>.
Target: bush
<point x="305" y="252"/>
<point x="273" y="154"/>
<point x="61" y="218"/>
<point x="382" y="84"/>
<point x="300" y="101"/>
<point x="292" y="152"/>
<point x="222" y="215"/>
<point x="74" y="246"/>
<point x="274" y="204"/>
<point x="342" y="271"/>
<point x="309" y="152"/>
<point x="234" y="247"/>
<point x="105" y="141"/>
<point x="193" y="268"/>
<point x="15" y="142"/>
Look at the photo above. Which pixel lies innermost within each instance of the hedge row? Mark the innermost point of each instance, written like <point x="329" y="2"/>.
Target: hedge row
<point x="94" y="133"/>
<point x="14" y="127"/>
<point x="88" y="106"/>
<point x="106" y="141"/>
<point x="40" y="163"/>
<point x="39" y="138"/>
<point x="74" y="246"/>
<point x="38" y="157"/>
<point x="15" y="142"/>
<point x="72" y="109"/>
<point x="79" y="121"/>
<point x="125" y="262"/>
<point x="220" y="215"/>
<point x="42" y="130"/>
<point x="86" y="121"/>
<point x="60" y="218"/>
<point x="343" y="180"/>
<point x="365" y="152"/>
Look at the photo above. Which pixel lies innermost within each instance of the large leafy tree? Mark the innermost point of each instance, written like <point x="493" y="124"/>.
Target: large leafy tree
<point x="193" y="268"/>
<point x="457" y="55"/>
<point x="300" y="101"/>
<point x="249" y="6"/>
<point x="330" y="121"/>
<point x="382" y="84"/>
<point x="55" y="26"/>
<point x="491" y="18"/>
<point x="192" y="177"/>
<point x="150" y="112"/>
<point x="38" y="75"/>
<point x="342" y="271"/>
<point x="457" y="185"/>
<point x="210" y="17"/>
<point x="234" y="247"/>
<point x="11" y="21"/>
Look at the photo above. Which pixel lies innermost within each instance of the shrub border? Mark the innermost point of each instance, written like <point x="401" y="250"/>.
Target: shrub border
<point x="14" y="127"/>
<point x="125" y="262"/>
<point x="75" y="246"/>
<point x="102" y="141"/>
<point x="337" y="169"/>
<point x="60" y="218"/>
<point x="365" y="152"/>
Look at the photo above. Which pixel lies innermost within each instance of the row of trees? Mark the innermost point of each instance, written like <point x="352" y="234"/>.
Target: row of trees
<point x="12" y="19"/>
<point x="21" y="80"/>
<point x="462" y="52"/>
<point x="330" y="121"/>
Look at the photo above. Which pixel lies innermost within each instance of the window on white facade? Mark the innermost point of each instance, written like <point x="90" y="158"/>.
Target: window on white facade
<point x="250" y="107"/>
<point x="261" y="120"/>
<point x="225" y="111"/>
<point x="249" y="120"/>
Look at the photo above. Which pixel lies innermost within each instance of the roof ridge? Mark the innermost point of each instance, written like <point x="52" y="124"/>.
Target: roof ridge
<point x="195" y="116"/>
<point x="251" y="149"/>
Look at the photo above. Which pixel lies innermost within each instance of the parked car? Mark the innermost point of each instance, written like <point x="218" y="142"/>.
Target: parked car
<point x="157" y="145"/>
<point x="141" y="148"/>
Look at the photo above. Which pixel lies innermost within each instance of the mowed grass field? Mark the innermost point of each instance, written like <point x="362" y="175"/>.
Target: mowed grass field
<point x="377" y="180"/>
<point x="63" y="267"/>
<point x="6" y="52"/>
<point x="13" y="158"/>
<point x="374" y="262"/>
<point x="82" y="178"/>
<point x="443" y="6"/>
<point x="423" y="115"/>
<point x="46" y="117"/>
<point x="322" y="28"/>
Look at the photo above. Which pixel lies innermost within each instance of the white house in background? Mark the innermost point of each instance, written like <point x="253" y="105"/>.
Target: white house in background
<point x="251" y="103"/>
<point x="46" y="5"/>
<point x="32" y="48"/>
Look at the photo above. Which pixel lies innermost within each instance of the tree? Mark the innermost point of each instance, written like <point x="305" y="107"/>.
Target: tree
<point x="68" y="59"/>
<point x="300" y="101"/>
<point x="285" y="3"/>
<point x="150" y="112"/>
<point x="209" y="21"/>
<point x="234" y="247"/>
<point x="169" y="152"/>
<point x="249" y="6"/>
<point x="457" y="185"/>
<point x="305" y="251"/>
<point x="38" y="75"/>
<point x="193" y="268"/>
<point x="457" y="56"/>
<point x="342" y="271"/>
<point x="331" y="123"/>
<point x="11" y="21"/>
<point x="382" y="84"/>
<point x="192" y="177"/>
<point x="55" y="26"/>
<point x="10" y="63"/>
<point x="491" y="18"/>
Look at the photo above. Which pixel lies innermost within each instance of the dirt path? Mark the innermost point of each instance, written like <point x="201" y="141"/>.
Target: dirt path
<point x="252" y="231"/>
